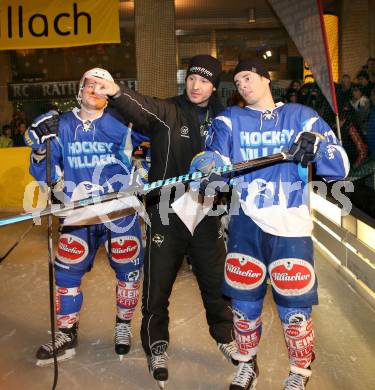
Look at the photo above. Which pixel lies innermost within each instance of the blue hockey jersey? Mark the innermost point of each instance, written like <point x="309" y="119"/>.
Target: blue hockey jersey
<point x="275" y="196"/>
<point x="89" y="157"/>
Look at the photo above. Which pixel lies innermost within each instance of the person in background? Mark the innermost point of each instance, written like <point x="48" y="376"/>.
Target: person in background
<point x="363" y="79"/>
<point x="361" y="105"/>
<point x="292" y="96"/>
<point x="295" y="84"/>
<point x="370" y="65"/>
<point x="371" y="124"/>
<point x="6" y="137"/>
<point x="19" y="134"/>
<point x="344" y="90"/>
<point x="353" y="141"/>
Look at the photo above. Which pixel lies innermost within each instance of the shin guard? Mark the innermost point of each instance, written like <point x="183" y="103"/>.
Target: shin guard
<point x="298" y="334"/>
<point x="247" y="326"/>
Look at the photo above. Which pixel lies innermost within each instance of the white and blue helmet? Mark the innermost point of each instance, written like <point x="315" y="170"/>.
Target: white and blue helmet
<point x="97" y="72"/>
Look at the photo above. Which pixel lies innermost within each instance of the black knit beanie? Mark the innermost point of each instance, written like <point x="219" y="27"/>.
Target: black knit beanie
<point x="207" y="67"/>
<point x="253" y="65"/>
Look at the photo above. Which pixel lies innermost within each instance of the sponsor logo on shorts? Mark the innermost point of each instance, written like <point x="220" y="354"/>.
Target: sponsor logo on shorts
<point x="124" y="249"/>
<point x="292" y="277"/>
<point x="244" y="272"/>
<point x="71" y="249"/>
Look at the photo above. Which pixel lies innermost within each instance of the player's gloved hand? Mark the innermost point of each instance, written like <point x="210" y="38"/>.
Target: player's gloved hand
<point x="104" y="88"/>
<point x="44" y="126"/>
<point x="305" y="147"/>
<point x="204" y="162"/>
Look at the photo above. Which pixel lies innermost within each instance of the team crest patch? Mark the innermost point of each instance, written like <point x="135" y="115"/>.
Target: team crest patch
<point x="158" y="239"/>
<point x="244" y="272"/>
<point x="292" y="277"/>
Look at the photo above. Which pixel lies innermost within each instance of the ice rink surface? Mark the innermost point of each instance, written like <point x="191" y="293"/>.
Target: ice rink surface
<point x="344" y="327"/>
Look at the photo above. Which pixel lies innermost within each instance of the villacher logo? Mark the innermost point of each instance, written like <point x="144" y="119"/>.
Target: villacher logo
<point x="292" y="277"/>
<point x="244" y="272"/>
<point x="17" y="25"/>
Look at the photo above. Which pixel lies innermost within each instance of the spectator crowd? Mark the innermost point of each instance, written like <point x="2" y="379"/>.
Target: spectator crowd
<point x="12" y="134"/>
<point x="356" y="104"/>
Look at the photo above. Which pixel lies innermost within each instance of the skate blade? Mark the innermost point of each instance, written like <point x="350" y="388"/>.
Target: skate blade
<point x="69" y="353"/>
<point x="161" y="384"/>
<point x="254" y="384"/>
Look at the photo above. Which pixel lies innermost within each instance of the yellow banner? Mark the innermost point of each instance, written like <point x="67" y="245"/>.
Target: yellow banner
<point x="332" y="29"/>
<point x="14" y="178"/>
<point x="26" y="24"/>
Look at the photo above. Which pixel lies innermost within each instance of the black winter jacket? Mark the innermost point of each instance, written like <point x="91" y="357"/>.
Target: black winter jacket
<point x="173" y="125"/>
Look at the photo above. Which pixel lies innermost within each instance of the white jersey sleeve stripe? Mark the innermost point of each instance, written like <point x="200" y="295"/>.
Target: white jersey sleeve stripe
<point x="227" y="121"/>
<point x="224" y="158"/>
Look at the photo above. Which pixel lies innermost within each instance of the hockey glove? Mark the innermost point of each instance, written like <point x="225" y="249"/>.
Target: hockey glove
<point x="44" y="126"/>
<point x="305" y="147"/>
<point x="204" y="162"/>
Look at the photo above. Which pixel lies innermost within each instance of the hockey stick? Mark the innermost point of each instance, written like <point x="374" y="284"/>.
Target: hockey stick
<point x="51" y="264"/>
<point x="23" y="235"/>
<point x="144" y="189"/>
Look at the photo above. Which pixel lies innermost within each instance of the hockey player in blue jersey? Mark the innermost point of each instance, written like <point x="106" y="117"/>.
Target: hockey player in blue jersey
<point x="270" y="236"/>
<point x="90" y="155"/>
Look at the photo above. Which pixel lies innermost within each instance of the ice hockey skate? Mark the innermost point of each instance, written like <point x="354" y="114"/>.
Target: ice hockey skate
<point x="122" y="337"/>
<point x="246" y="376"/>
<point x="157" y="365"/>
<point x="65" y="342"/>
<point x="297" y="379"/>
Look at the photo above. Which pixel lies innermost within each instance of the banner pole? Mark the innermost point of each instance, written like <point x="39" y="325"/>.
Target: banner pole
<point x="338" y="127"/>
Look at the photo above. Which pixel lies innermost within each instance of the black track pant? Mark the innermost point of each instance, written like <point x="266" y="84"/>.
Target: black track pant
<point x="166" y="247"/>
